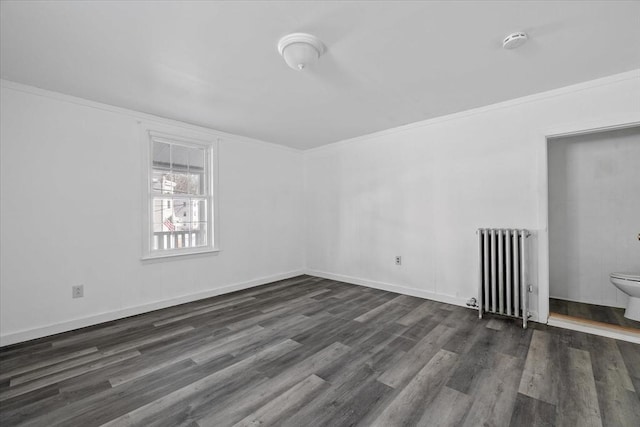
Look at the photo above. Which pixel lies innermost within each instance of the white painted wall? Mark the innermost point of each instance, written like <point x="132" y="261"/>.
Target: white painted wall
<point x="71" y="214"/>
<point x="594" y="214"/>
<point x="421" y="191"/>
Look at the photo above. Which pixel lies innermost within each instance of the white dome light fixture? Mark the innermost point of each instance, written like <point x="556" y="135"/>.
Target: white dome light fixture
<point x="514" y="40"/>
<point x="300" y="50"/>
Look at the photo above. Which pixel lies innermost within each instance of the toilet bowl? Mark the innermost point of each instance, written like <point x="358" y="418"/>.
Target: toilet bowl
<point x="629" y="283"/>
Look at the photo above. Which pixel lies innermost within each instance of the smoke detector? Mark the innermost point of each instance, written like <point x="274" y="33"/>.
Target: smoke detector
<point x="514" y="40"/>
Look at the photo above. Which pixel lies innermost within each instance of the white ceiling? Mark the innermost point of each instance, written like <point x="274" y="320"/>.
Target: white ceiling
<point x="388" y="63"/>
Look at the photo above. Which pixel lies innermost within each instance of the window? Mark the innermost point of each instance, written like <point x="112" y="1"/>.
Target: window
<point x="180" y="196"/>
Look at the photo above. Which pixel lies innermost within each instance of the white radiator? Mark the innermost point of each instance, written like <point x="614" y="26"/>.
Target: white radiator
<point x="503" y="287"/>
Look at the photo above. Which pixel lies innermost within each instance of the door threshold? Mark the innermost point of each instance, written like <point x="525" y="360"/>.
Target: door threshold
<point x="623" y="333"/>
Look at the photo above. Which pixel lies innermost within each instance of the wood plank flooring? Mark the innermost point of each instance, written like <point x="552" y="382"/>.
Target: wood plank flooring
<point x="599" y="313"/>
<point x="313" y="352"/>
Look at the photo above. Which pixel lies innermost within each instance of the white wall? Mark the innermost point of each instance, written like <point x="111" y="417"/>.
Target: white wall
<point x="71" y="214"/>
<point x="594" y="214"/>
<point x="421" y="191"/>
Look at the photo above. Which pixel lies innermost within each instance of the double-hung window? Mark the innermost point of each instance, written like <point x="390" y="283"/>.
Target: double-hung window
<point x="180" y="202"/>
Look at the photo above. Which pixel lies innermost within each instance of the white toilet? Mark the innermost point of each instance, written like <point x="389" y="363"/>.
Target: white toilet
<point x="629" y="283"/>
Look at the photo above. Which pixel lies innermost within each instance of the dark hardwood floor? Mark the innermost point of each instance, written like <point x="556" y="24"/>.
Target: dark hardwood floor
<point x="315" y="352"/>
<point x="599" y="313"/>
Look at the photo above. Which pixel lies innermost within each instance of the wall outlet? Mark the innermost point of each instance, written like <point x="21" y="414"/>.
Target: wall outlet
<point x="398" y="260"/>
<point x="77" y="291"/>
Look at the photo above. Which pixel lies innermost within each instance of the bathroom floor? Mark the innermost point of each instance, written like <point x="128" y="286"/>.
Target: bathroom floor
<point x="599" y="313"/>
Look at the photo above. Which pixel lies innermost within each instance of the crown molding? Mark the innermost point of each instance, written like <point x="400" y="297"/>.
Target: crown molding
<point x="591" y="84"/>
<point x="604" y="81"/>
<point x="137" y="115"/>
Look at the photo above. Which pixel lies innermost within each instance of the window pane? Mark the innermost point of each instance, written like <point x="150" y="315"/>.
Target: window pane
<point x="162" y="182"/>
<point x="156" y="181"/>
<point x="178" y="213"/>
<point x="161" y="154"/>
<point x="176" y="183"/>
<point x="163" y="215"/>
<point x="196" y="184"/>
<point x="198" y="211"/>
<point x="199" y="233"/>
<point x="196" y="159"/>
<point x="185" y="183"/>
<point x="181" y="213"/>
<point x="179" y="157"/>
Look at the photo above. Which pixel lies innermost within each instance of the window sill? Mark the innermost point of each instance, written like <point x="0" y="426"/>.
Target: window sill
<point x="179" y="254"/>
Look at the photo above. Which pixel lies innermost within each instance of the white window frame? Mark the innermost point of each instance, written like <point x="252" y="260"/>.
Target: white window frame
<point x="211" y="149"/>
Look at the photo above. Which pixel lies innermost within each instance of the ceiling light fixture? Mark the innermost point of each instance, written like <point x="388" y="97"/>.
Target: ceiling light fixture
<point x="300" y="50"/>
<point x="514" y="40"/>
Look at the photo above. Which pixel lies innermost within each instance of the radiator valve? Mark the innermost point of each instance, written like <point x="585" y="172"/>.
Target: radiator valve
<point x="472" y="302"/>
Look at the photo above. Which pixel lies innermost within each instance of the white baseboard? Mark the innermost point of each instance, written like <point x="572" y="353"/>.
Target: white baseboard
<point x="420" y="293"/>
<point x="57" y="328"/>
<point x="594" y="329"/>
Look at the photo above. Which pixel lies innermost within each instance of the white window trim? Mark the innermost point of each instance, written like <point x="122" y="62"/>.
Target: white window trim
<point x="149" y="134"/>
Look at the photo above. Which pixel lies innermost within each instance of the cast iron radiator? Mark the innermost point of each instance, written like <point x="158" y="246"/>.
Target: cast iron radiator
<point x="502" y="272"/>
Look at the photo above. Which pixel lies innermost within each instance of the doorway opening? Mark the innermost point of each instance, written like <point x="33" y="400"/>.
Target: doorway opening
<point x="594" y="225"/>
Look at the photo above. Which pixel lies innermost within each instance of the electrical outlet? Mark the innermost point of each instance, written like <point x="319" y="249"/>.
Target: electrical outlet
<point x="398" y="260"/>
<point x="77" y="291"/>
